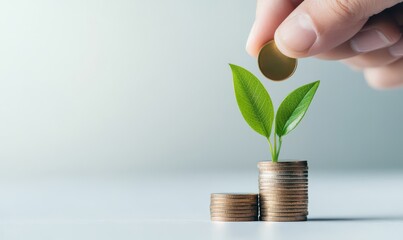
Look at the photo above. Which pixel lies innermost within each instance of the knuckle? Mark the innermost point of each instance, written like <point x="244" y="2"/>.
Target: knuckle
<point x="347" y="9"/>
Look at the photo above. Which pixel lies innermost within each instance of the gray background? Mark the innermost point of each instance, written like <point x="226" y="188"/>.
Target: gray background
<point x="144" y="86"/>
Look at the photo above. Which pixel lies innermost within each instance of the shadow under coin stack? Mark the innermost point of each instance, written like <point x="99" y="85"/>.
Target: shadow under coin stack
<point x="283" y="191"/>
<point x="231" y="207"/>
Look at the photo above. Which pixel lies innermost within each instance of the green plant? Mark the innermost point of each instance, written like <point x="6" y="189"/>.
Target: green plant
<point x="257" y="108"/>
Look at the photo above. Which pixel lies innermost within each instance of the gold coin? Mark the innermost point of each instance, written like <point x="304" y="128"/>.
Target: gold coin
<point x="225" y="210"/>
<point x="282" y="184"/>
<point x="264" y="189"/>
<point x="282" y="194"/>
<point x="283" y="197"/>
<point x="271" y="186"/>
<point x="234" y="215"/>
<point x="271" y="190"/>
<point x="283" y="214"/>
<point x="277" y="176"/>
<point x="231" y="211"/>
<point x="284" y="201"/>
<point x="277" y="164"/>
<point x="274" y="64"/>
<point x="284" y="210"/>
<point x="229" y="204"/>
<point x="283" y="179"/>
<point x="235" y="195"/>
<point x="268" y="187"/>
<point x="268" y="190"/>
<point x="237" y="219"/>
<point x="284" y="219"/>
<point x="279" y="170"/>
<point x="268" y="184"/>
<point x="283" y="204"/>
<point x="234" y="199"/>
<point x="239" y="203"/>
<point x="274" y="170"/>
<point x="268" y="213"/>
<point x="275" y="203"/>
<point x="264" y="211"/>
<point x="296" y="164"/>
<point x="283" y="174"/>
<point x="233" y="207"/>
<point x="282" y="168"/>
<point x="224" y="200"/>
<point x="273" y="174"/>
<point x="284" y="190"/>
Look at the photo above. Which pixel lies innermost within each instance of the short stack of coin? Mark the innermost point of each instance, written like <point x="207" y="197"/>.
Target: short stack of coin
<point x="234" y="207"/>
<point x="283" y="191"/>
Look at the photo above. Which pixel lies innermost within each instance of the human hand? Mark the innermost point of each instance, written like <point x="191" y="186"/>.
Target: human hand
<point x="364" y="34"/>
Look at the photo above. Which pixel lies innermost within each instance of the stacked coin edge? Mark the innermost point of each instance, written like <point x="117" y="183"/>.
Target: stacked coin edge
<point x="283" y="191"/>
<point x="234" y="207"/>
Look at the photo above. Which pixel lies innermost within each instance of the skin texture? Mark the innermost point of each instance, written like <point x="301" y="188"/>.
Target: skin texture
<point x="364" y="34"/>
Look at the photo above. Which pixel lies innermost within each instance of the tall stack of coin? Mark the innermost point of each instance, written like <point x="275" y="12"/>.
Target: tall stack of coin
<point x="283" y="191"/>
<point x="234" y="207"/>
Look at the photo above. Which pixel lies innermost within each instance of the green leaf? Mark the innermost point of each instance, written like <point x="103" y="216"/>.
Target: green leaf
<point x="294" y="107"/>
<point x="253" y="101"/>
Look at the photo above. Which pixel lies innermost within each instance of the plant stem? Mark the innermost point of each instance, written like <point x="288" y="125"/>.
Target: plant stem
<point x="272" y="151"/>
<point x="280" y="141"/>
<point x="275" y="158"/>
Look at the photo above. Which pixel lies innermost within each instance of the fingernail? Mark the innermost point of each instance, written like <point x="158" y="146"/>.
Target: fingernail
<point x="397" y="49"/>
<point x="297" y="33"/>
<point x="369" y="40"/>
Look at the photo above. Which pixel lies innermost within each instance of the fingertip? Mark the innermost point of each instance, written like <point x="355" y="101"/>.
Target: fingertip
<point x="251" y="46"/>
<point x="284" y="49"/>
<point x="269" y="15"/>
<point x="374" y="81"/>
<point x="381" y="80"/>
<point x="296" y="35"/>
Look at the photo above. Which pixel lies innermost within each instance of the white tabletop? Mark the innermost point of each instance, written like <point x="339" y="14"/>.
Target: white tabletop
<point x="162" y="206"/>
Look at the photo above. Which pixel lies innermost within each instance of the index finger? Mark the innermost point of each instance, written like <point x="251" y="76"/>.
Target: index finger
<point x="269" y="15"/>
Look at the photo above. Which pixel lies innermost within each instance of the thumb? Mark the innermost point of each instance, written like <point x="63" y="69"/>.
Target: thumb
<point x="269" y="15"/>
<point x="317" y="26"/>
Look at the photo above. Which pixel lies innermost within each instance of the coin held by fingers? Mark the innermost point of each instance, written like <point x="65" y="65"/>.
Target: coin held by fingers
<point x="274" y="64"/>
